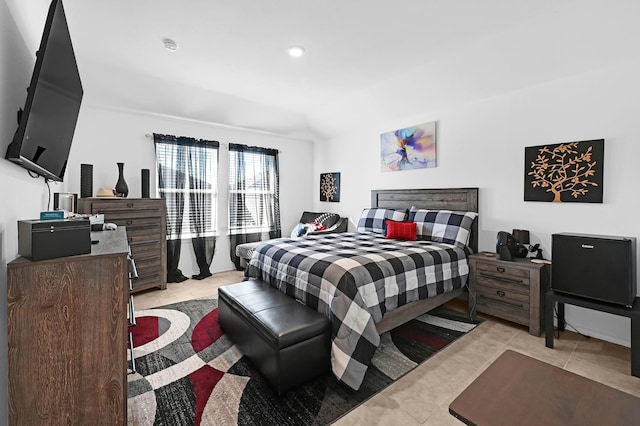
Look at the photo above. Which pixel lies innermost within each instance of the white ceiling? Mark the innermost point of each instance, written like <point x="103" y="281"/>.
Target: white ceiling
<point x="232" y="68"/>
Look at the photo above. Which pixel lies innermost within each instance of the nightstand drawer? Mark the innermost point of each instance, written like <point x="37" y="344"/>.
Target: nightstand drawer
<point x="504" y="296"/>
<point x="504" y="281"/>
<point x="511" y="306"/>
<point x="500" y="270"/>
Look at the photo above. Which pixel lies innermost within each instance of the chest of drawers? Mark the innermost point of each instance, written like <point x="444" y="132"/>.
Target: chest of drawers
<point x="145" y="219"/>
<point x="66" y="328"/>
<point x="511" y="290"/>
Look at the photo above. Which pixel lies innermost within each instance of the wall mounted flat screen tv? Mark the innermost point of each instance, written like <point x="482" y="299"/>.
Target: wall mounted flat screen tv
<point x="46" y="126"/>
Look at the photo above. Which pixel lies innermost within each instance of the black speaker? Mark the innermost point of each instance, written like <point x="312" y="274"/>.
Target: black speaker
<point x="86" y="180"/>
<point x="145" y="183"/>
<point x="595" y="266"/>
<point x="506" y="246"/>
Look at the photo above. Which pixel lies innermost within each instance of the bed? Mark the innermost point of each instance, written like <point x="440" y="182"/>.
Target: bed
<point x="368" y="284"/>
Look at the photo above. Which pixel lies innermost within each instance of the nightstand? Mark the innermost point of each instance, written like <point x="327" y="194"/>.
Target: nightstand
<point x="511" y="290"/>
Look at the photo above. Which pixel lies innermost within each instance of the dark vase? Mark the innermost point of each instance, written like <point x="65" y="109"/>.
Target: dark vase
<point x="122" y="189"/>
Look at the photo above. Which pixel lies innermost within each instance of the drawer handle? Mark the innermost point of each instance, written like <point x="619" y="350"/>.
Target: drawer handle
<point x="500" y="293"/>
<point x="129" y="205"/>
<point x="500" y="269"/>
<point x="129" y="222"/>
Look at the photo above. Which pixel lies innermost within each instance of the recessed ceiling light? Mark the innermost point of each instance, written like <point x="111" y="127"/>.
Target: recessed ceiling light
<point x="296" y="51"/>
<point x="170" y="45"/>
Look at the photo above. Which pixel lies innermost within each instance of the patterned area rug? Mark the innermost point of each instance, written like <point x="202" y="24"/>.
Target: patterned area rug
<point x="189" y="373"/>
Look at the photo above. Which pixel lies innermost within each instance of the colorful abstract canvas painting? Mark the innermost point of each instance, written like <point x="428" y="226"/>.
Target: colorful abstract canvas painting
<point x="565" y="172"/>
<point x="408" y="149"/>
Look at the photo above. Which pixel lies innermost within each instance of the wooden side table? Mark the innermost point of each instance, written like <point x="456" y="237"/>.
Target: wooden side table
<point x="511" y="290"/>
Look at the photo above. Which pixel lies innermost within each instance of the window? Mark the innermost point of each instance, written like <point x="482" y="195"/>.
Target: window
<point x="188" y="179"/>
<point x="254" y="205"/>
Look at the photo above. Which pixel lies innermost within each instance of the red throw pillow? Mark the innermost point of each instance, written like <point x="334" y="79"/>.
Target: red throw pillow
<point x="401" y="230"/>
<point x="317" y="226"/>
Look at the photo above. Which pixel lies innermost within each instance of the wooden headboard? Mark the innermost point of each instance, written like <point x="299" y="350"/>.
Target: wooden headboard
<point x="460" y="199"/>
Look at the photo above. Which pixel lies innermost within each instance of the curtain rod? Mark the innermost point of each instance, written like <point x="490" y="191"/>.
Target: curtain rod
<point x="150" y="136"/>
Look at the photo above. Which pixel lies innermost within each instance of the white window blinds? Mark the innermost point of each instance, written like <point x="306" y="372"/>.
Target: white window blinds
<point x="188" y="179"/>
<point x="253" y="190"/>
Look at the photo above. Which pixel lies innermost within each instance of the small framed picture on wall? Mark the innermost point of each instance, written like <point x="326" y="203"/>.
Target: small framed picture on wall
<point x="330" y="187"/>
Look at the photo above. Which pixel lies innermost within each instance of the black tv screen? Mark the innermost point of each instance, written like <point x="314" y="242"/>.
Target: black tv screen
<point x="45" y="131"/>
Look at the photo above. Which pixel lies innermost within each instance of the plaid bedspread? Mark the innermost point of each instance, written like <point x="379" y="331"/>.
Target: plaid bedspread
<point x="354" y="278"/>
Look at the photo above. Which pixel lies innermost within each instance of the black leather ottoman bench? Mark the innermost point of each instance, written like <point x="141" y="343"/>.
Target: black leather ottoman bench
<point x="288" y="342"/>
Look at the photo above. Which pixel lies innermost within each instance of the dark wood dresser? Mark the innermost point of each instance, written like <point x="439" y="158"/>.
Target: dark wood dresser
<point x="146" y="222"/>
<point x="511" y="290"/>
<point x="67" y="336"/>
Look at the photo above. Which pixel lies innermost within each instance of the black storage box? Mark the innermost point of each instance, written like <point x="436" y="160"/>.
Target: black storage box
<point x="599" y="267"/>
<point x="48" y="239"/>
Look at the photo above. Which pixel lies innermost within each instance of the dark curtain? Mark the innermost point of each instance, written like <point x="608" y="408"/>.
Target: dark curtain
<point x="254" y="197"/>
<point x="172" y="174"/>
<point x="201" y="158"/>
<point x="182" y="160"/>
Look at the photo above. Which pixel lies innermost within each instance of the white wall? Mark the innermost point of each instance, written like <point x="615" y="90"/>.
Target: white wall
<point x="481" y="144"/>
<point x="105" y="137"/>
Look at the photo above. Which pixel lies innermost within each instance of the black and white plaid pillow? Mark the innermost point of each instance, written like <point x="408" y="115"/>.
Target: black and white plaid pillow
<point x="327" y="219"/>
<point x="443" y="226"/>
<point x="372" y="220"/>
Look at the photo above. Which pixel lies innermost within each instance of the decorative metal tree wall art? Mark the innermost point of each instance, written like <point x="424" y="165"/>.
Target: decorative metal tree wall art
<point x="330" y="187"/>
<point x="566" y="172"/>
<point x="408" y="149"/>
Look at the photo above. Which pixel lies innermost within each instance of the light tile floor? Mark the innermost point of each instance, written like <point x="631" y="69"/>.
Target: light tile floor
<point x="422" y="397"/>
